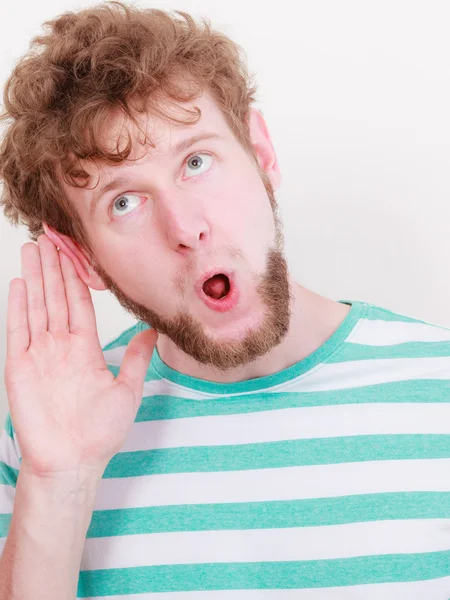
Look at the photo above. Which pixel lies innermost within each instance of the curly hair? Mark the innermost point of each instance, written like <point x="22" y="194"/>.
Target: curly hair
<point x="87" y="66"/>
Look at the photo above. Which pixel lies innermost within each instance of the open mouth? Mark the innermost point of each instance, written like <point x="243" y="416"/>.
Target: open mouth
<point x="218" y="291"/>
<point x="217" y="286"/>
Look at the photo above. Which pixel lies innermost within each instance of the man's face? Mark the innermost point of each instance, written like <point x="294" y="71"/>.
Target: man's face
<point x="187" y="239"/>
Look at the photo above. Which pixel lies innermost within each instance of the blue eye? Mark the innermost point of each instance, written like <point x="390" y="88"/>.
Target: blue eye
<point x="197" y="164"/>
<point x="125" y="203"/>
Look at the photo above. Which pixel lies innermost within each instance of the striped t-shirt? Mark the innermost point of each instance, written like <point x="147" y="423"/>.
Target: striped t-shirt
<point x="329" y="480"/>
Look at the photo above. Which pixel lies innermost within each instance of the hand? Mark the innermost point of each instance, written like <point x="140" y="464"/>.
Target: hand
<point x="68" y="409"/>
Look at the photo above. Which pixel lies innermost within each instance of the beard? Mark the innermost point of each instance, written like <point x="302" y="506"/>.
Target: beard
<point x="188" y="334"/>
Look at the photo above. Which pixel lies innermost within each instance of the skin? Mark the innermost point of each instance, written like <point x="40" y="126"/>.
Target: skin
<point x="179" y="224"/>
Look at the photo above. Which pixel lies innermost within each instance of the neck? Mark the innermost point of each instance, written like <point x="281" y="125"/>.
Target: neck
<point x="313" y="320"/>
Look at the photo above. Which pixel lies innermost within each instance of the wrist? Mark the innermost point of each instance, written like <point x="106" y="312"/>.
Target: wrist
<point x="80" y="483"/>
<point x="48" y="530"/>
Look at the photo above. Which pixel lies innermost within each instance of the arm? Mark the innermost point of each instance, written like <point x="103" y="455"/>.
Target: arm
<point x="71" y="416"/>
<point x="42" y="555"/>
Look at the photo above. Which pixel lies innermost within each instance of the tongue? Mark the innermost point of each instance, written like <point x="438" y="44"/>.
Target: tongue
<point x="217" y="286"/>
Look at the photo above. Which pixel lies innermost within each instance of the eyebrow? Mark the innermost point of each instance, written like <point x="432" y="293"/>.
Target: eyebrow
<point x="182" y="146"/>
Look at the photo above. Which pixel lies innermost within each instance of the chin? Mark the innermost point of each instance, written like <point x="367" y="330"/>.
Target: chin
<point x="233" y="326"/>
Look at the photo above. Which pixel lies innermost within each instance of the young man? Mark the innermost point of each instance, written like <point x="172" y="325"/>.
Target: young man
<point x="273" y="443"/>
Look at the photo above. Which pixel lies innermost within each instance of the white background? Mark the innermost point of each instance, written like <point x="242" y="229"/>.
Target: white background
<point x="357" y="97"/>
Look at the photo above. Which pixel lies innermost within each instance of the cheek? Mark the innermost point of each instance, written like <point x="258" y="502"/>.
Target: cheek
<point x="244" y="211"/>
<point x="140" y="271"/>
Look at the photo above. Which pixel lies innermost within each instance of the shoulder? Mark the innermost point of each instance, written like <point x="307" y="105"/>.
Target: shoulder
<point x="408" y="335"/>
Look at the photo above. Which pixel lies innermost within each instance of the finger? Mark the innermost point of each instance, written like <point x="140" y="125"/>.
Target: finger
<point x="32" y="274"/>
<point x="136" y="360"/>
<point x="54" y="291"/>
<point x="17" y="333"/>
<point x="79" y="301"/>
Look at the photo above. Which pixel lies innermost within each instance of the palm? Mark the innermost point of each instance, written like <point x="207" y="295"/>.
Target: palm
<point x="67" y="407"/>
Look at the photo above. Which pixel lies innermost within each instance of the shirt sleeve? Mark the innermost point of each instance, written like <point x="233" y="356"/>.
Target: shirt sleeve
<point x="9" y="472"/>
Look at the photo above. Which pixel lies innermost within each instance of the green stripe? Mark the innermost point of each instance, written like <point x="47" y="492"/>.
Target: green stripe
<point x="8" y="475"/>
<point x="424" y="391"/>
<point x="273" y="455"/>
<point x="357" y="352"/>
<point x="375" y="313"/>
<point x="262" y="515"/>
<point x="265" y="575"/>
<point x="5" y="521"/>
<point x="8" y="426"/>
<point x="268" y="515"/>
<point x="378" y="313"/>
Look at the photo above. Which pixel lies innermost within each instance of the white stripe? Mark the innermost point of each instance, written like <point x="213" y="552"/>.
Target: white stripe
<point x="344" y="375"/>
<point x="114" y="356"/>
<point x="389" y="333"/>
<point x="259" y="485"/>
<point x="267" y="545"/>
<point x="353" y="374"/>
<point x="16" y="442"/>
<point x="168" y="388"/>
<point x="7" y="495"/>
<point x="8" y="452"/>
<point x="290" y="424"/>
<point x="436" y="589"/>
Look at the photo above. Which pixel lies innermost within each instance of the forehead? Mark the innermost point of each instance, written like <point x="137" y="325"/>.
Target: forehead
<point x="156" y="133"/>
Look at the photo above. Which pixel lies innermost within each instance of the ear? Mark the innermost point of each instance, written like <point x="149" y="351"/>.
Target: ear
<point x="78" y="256"/>
<point x="262" y="144"/>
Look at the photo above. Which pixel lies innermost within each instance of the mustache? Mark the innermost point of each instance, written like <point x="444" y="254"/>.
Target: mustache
<point x="190" y="270"/>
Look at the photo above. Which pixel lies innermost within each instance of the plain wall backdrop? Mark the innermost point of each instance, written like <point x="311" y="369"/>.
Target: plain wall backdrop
<point x="356" y="94"/>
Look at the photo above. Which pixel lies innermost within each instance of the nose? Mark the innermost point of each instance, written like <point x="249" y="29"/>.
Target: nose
<point x="183" y="224"/>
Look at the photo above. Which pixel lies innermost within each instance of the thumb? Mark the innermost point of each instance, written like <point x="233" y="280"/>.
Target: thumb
<point x="136" y="360"/>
